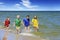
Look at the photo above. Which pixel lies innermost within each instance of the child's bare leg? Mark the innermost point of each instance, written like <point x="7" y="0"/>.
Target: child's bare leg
<point x="29" y="29"/>
<point x="7" y="28"/>
<point x="16" y="33"/>
<point x="25" y="28"/>
<point x="16" y="30"/>
<point x="19" y="31"/>
<point x="35" y="30"/>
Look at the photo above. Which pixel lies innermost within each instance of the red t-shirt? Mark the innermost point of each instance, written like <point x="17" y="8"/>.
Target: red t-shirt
<point x="7" y="22"/>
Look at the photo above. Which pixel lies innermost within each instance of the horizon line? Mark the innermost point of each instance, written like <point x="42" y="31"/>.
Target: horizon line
<point x="41" y="10"/>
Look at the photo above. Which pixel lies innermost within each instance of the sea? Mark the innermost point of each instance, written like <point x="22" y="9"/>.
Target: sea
<point x="49" y="21"/>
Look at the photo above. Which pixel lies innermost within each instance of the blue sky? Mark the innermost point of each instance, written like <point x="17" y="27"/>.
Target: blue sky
<point x="29" y="5"/>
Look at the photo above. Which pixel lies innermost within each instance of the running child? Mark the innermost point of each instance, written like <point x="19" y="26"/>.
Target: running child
<point x="18" y="23"/>
<point x="7" y="23"/>
<point x="35" y="23"/>
<point x="26" y="23"/>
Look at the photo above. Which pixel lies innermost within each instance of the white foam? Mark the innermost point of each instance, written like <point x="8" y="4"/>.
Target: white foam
<point x="27" y="34"/>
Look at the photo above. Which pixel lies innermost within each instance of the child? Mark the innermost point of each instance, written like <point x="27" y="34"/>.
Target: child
<point x="18" y="23"/>
<point x="26" y="22"/>
<point x="35" y="23"/>
<point x="7" y="23"/>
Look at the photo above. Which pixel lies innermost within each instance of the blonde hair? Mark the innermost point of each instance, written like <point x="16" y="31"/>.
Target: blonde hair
<point x="35" y="17"/>
<point x="18" y="16"/>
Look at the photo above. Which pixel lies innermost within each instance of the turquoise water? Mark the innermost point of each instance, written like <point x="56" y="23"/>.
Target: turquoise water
<point x="51" y="19"/>
<point x="44" y="17"/>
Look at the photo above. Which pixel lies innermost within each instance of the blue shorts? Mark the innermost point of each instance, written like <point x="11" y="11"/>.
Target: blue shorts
<point x="27" y="25"/>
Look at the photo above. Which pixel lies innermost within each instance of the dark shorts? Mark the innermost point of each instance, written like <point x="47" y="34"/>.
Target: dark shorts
<point x="6" y="25"/>
<point x="27" y="25"/>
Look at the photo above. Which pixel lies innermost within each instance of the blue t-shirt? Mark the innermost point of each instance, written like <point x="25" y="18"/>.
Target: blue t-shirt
<point x="26" y="21"/>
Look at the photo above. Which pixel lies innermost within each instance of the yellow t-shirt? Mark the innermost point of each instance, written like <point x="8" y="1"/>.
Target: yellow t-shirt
<point x="35" y="22"/>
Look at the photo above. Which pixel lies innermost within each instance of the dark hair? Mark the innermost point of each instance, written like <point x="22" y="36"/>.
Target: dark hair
<point x="27" y="16"/>
<point x="7" y="16"/>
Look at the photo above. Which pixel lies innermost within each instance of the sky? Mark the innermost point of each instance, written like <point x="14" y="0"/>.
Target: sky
<point x="29" y="5"/>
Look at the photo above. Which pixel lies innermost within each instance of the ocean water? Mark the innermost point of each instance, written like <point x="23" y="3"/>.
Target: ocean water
<point x="51" y="19"/>
<point x="44" y="17"/>
<point x="48" y="18"/>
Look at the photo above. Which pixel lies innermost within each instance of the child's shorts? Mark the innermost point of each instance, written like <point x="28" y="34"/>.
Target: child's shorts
<point x="17" y="27"/>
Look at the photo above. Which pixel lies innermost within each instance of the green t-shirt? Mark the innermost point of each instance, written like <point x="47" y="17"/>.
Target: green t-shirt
<point x="18" y="22"/>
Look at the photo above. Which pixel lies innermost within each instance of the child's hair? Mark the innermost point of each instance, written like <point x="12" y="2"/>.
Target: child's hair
<point x="35" y="17"/>
<point x="7" y="17"/>
<point x="27" y="16"/>
<point x="18" y="16"/>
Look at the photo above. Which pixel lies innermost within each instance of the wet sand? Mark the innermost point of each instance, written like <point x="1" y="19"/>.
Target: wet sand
<point x="14" y="36"/>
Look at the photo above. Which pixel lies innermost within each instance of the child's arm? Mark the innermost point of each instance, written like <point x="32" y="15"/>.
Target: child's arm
<point x="38" y="24"/>
<point x="31" y="23"/>
<point x="22" y="23"/>
<point x="14" y="24"/>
